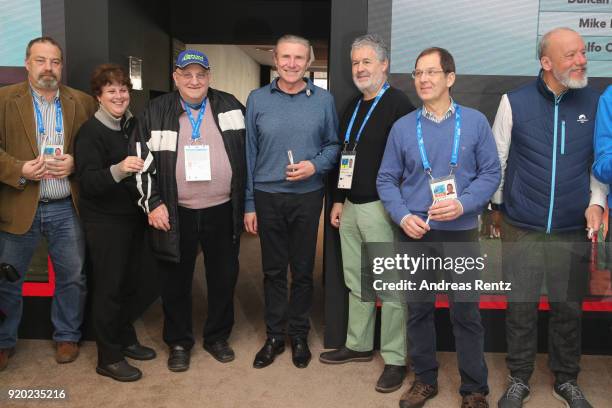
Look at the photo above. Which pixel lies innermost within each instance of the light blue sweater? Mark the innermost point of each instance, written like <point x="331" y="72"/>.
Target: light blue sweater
<point x="403" y="185"/>
<point x="305" y="123"/>
<point x="602" y="167"/>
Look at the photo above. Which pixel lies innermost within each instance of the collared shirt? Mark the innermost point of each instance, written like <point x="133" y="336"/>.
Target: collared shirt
<point x="429" y="115"/>
<point x="50" y="189"/>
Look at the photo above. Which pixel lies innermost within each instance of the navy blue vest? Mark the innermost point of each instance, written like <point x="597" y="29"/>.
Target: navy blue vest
<point x="547" y="182"/>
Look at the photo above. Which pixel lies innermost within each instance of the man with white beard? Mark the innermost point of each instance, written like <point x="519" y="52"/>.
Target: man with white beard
<point x="360" y="215"/>
<point x="544" y="136"/>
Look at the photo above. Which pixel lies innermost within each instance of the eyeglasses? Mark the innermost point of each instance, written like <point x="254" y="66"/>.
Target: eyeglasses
<point x="430" y="72"/>
<point x="200" y="76"/>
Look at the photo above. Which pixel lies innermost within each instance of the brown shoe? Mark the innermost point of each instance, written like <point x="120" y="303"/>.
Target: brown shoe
<point x="66" y="352"/>
<point x="418" y="393"/>
<point x="475" y="400"/>
<point x="5" y="354"/>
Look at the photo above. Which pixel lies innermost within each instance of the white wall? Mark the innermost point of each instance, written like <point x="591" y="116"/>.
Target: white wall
<point x="232" y="69"/>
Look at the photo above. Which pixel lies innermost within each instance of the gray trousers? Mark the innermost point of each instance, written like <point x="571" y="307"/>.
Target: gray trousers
<point x="561" y="260"/>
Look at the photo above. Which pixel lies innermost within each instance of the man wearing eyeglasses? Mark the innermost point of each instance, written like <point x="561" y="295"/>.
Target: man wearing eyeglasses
<point x="544" y="135"/>
<point x="38" y="194"/>
<point x="192" y="188"/>
<point x="441" y="144"/>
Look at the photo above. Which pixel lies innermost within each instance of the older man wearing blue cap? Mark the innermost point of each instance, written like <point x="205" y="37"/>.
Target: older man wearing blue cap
<point x="192" y="188"/>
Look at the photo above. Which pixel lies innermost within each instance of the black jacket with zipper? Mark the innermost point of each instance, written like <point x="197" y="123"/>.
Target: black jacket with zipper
<point x="155" y="141"/>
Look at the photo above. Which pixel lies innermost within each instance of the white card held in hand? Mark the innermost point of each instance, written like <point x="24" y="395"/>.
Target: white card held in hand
<point x="197" y="163"/>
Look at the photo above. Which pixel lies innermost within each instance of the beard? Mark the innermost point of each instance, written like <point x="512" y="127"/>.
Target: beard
<point x="48" y="81"/>
<point x="567" y="81"/>
<point x="376" y="80"/>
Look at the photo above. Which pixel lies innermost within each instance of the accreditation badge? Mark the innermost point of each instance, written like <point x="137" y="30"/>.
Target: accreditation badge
<point x="347" y="167"/>
<point x="443" y="188"/>
<point x="197" y="163"/>
<point x="51" y="151"/>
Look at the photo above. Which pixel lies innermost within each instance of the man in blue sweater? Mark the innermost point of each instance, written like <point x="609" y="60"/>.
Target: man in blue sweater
<point x="544" y="136"/>
<point x="440" y="144"/>
<point x="292" y="142"/>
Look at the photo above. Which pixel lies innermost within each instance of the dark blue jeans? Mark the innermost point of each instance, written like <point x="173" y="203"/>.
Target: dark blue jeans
<point x="464" y="315"/>
<point x="58" y="223"/>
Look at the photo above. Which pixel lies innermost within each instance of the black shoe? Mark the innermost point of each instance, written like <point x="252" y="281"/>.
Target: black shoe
<point x="571" y="395"/>
<point x="179" y="359"/>
<point x="139" y="352"/>
<point x="515" y="395"/>
<point x="345" y="355"/>
<point x="391" y="378"/>
<point x="268" y="352"/>
<point x="120" y="371"/>
<point x="221" y="351"/>
<point x="301" y="353"/>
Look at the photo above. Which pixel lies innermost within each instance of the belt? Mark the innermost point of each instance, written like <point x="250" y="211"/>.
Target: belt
<point x="52" y="200"/>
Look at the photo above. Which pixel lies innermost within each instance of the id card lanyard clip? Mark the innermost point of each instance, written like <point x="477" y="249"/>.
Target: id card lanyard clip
<point x="347" y="135"/>
<point x="59" y="122"/>
<point x="195" y="123"/>
<point x="456" y="139"/>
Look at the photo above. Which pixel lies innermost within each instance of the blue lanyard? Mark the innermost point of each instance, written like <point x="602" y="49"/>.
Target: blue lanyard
<point x="195" y="125"/>
<point x="456" y="138"/>
<point x="59" y="123"/>
<point x="347" y="135"/>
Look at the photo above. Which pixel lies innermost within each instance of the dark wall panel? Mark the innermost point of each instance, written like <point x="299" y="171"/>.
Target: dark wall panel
<point x="250" y="21"/>
<point x="119" y="29"/>
<point x="87" y="25"/>
<point x="348" y="20"/>
<point x="138" y="31"/>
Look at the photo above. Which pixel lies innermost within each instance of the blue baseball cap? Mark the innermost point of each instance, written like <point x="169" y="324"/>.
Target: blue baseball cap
<point x="189" y="57"/>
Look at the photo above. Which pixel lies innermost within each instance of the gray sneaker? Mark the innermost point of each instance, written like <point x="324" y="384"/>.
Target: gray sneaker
<point x="571" y="395"/>
<point x="515" y="395"/>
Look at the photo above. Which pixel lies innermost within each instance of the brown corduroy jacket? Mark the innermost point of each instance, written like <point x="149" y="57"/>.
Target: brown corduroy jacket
<point x="18" y="144"/>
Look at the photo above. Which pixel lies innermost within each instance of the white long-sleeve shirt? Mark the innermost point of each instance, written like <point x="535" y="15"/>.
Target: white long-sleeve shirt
<point x="502" y="130"/>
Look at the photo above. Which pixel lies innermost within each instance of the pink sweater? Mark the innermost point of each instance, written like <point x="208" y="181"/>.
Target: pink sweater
<point x="203" y="194"/>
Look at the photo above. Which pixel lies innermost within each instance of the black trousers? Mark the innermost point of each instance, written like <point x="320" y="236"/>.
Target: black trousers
<point x="288" y="226"/>
<point x="464" y="312"/>
<point x="212" y="229"/>
<point x="529" y="259"/>
<point x="114" y="250"/>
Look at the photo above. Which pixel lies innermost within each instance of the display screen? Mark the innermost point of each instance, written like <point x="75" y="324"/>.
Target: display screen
<point x="20" y="21"/>
<point x="497" y="37"/>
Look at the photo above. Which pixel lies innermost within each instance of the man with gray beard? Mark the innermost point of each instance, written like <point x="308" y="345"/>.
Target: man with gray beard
<point x="359" y="214"/>
<point x="544" y="136"/>
<point x="39" y="119"/>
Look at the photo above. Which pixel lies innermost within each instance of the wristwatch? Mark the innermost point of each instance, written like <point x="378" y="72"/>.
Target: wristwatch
<point x="22" y="181"/>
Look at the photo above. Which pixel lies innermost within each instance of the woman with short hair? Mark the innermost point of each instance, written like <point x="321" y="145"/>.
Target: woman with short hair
<point x="114" y="225"/>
